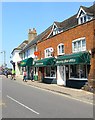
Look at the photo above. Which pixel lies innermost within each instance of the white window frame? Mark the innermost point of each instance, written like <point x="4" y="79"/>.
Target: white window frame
<point x="47" y="52"/>
<point x="88" y="18"/>
<point x="60" y="53"/>
<point x="81" y="47"/>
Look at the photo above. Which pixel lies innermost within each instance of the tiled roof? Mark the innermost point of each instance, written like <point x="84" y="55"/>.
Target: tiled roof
<point x="66" y="24"/>
<point x="72" y="21"/>
<point x="90" y="9"/>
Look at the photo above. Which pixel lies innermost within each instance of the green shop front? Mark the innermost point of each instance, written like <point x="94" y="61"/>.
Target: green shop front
<point x="46" y="70"/>
<point x="27" y="65"/>
<point x="73" y="69"/>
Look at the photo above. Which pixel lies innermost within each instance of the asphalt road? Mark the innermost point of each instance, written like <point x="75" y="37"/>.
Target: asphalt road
<point x="23" y="101"/>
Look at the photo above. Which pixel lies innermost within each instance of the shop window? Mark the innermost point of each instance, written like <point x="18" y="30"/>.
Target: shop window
<point x="79" y="71"/>
<point x="60" y="49"/>
<point x="79" y="45"/>
<point x="50" y="72"/>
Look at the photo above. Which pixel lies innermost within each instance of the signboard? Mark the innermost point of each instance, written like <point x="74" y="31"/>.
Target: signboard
<point x="36" y="53"/>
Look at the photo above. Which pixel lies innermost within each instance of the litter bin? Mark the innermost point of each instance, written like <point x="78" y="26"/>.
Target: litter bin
<point x="35" y="77"/>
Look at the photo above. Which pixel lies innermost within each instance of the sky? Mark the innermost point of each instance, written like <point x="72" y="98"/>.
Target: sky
<point x="19" y="17"/>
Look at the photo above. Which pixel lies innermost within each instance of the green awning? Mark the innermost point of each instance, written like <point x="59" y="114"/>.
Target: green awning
<point x="26" y="62"/>
<point x="45" y="62"/>
<point x="75" y="58"/>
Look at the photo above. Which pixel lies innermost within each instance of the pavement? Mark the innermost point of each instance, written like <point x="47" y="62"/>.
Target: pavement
<point x="77" y="94"/>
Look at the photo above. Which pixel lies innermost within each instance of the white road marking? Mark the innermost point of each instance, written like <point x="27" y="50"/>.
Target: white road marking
<point x="22" y="105"/>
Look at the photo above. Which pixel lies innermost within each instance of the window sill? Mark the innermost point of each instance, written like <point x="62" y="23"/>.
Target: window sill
<point x="78" y="79"/>
<point x="50" y="77"/>
<point x="61" y="54"/>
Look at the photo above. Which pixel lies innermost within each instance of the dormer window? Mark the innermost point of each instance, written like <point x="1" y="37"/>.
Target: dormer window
<point x="55" y="30"/>
<point x="83" y="16"/>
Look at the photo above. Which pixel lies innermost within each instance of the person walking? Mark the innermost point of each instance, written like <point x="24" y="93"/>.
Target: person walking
<point x="6" y="73"/>
<point x="24" y="76"/>
<point x="13" y="74"/>
<point x="32" y="78"/>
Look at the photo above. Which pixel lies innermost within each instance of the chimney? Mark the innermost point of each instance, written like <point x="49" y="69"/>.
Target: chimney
<point x="32" y="34"/>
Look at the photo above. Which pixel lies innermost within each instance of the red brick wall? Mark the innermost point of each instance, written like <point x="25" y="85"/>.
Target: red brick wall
<point x="85" y="30"/>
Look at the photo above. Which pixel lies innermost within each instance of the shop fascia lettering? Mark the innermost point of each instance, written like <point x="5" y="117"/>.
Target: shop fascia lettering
<point x="66" y="61"/>
<point x="39" y="63"/>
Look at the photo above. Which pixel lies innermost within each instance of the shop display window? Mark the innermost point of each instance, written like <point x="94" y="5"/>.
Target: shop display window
<point x="79" y="71"/>
<point x="50" y="72"/>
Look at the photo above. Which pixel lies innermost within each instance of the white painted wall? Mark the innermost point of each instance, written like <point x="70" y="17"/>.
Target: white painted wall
<point x="61" y="75"/>
<point x="15" y="59"/>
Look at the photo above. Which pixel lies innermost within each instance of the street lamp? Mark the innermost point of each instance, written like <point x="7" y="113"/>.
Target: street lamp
<point x="4" y="57"/>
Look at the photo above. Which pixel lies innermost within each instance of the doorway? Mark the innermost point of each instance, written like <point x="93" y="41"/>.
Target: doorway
<point x="61" y="75"/>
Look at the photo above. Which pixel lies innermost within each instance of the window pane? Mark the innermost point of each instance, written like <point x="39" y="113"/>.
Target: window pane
<point x="47" y="71"/>
<point x="83" y="43"/>
<point x="74" y="71"/>
<point x="53" y="71"/>
<point x="62" y="50"/>
<point x="78" y="71"/>
<point x="84" y="18"/>
<point x="50" y="71"/>
<point x="83" y="71"/>
<point x="81" y="19"/>
<point x="79" y="45"/>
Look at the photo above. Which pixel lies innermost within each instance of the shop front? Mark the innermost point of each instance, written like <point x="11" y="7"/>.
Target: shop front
<point x="46" y="70"/>
<point x="27" y="64"/>
<point x="73" y="69"/>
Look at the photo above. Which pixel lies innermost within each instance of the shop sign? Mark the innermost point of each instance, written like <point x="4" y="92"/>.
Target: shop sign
<point x="39" y="63"/>
<point x="36" y="53"/>
<point x="66" y="61"/>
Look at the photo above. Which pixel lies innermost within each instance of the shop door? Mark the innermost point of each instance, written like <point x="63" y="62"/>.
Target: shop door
<point x="62" y="75"/>
<point x="41" y="74"/>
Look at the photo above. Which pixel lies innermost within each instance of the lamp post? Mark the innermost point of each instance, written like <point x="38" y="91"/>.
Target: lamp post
<point x="4" y="57"/>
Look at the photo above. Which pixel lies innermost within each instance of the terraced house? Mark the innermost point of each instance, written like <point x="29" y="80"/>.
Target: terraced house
<point x="65" y="51"/>
<point x="62" y="54"/>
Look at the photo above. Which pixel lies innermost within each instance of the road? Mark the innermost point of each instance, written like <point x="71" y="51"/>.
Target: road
<point x="24" y="101"/>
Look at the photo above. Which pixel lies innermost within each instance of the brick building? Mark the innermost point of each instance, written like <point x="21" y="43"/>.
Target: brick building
<point x="65" y="50"/>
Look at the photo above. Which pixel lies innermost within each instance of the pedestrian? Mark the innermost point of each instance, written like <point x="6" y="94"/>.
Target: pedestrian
<point x="24" y="76"/>
<point x="32" y="78"/>
<point x="6" y="73"/>
<point x="13" y="74"/>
